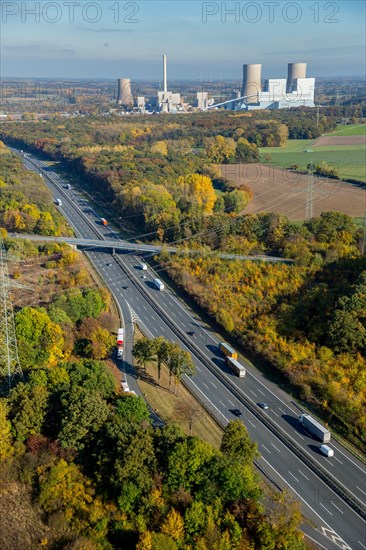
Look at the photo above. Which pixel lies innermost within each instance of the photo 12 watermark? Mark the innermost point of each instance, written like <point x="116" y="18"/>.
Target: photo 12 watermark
<point x="270" y="12"/>
<point x="70" y="12"/>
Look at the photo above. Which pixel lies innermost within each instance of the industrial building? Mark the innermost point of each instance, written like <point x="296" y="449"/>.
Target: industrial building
<point x="297" y="90"/>
<point x="276" y="93"/>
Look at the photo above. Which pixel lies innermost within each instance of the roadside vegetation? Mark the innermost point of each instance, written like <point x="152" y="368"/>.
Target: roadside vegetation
<point x="306" y="320"/>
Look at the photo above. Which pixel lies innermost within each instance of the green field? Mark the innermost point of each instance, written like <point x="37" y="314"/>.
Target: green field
<point x="349" y="130"/>
<point x="350" y="159"/>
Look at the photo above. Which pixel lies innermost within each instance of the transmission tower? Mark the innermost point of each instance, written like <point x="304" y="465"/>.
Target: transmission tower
<point x="9" y="358"/>
<point x="310" y="193"/>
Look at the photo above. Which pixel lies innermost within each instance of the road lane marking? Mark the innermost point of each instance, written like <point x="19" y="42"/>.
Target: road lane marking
<point x="360" y="543"/>
<point x="291" y="474"/>
<point x="357" y="487"/>
<point x="274" y="412"/>
<point x="205" y="386"/>
<point x="266" y="448"/>
<point x="325" y="508"/>
<point x="260" y="391"/>
<point x="335" y="458"/>
<point x="231" y="403"/>
<point x="277" y="449"/>
<point x="300" y="436"/>
<point x="255" y="395"/>
<point x="335" y="506"/>
<point x="213" y="384"/>
<point x="300" y="472"/>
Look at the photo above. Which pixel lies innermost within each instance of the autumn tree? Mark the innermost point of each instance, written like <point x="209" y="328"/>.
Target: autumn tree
<point x="196" y="191"/>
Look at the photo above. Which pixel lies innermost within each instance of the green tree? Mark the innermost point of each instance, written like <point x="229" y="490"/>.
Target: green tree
<point x="144" y="351"/>
<point x="6" y="448"/>
<point x="83" y="414"/>
<point x="132" y="408"/>
<point x="27" y="410"/>
<point x="236" y="443"/>
<point x="180" y="363"/>
<point x="162" y="347"/>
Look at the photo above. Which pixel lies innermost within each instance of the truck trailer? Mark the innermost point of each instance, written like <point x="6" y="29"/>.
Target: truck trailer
<point x="158" y="284"/>
<point x="228" y="350"/>
<point x="314" y="427"/>
<point x="120" y="337"/>
<point x="235" y="366"/>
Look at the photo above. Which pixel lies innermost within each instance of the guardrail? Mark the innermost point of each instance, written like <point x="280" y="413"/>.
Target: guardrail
<point x="357" y="505"/>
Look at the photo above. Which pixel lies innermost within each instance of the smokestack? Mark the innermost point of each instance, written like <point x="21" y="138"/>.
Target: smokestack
<point x="124" y="96"/>
<point x="164" y="74"/>
<point x="252" y="75"/>
<point x="295" y="71"/>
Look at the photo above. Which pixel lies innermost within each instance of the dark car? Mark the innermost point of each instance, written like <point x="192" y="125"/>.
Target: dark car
<point x="190" y="332"/>
<point x="264" y="406"/>
<point x="236" y="412"/>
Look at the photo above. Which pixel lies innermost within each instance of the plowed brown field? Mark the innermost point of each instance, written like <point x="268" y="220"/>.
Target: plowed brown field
<point x="326" y="141"/>
<point x="280" y="190"/>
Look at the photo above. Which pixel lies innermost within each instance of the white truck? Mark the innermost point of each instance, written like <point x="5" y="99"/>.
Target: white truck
<point x="59" y="202"/>
<point x="327" y="451"/>
<point x="143" y="266"/>
<point x="314" y="427"/>
<point x="159" y="285"/>
<point x="235" y="366"/>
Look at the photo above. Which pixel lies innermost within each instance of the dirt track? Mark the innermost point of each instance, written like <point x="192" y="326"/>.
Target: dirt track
<point x="326" y="141"/>
<point x="280" y="190"/>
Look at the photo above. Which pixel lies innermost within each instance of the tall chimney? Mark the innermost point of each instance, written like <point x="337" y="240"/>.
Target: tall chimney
<point x="164" y="73"/>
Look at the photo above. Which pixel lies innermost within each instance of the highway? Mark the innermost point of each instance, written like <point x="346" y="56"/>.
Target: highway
<point x="336" y="520"/>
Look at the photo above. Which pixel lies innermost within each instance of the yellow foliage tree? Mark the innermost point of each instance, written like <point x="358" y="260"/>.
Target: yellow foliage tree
<point x="145" y="541"/>
<point x="173" y="526"/>
<point x="198" y="190"/>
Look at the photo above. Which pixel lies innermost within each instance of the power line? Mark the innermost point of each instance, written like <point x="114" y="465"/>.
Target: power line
<point x="9" y="357"/>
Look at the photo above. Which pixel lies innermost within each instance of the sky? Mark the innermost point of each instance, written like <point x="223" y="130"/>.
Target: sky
<point x="206" y="40"/>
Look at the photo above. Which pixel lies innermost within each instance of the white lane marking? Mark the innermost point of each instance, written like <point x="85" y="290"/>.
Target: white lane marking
<point x="350" y="460"/>
<point x="335" y="506"/>
<point x="300" y="435"/>
<point x="198" y="368"/>
<point x="207" y="399"/>
<point x="266" y="448"/>
<point x="255" y="395"/>
<point x="360" y="543"/>
<point x="205" y="386"/>
<point x="214" y="385"/>
<point x="260" y="391"/>
<point x="335" y="458"/>
<point x="274" y="412"/>
<point x="277" y="449"/>
<point x="357" y="487"/>
<point x="300" y="472"/>
<point x="250" y="422"/>
<point x="291" y="474"/>
<point x="325" y="508"/>
<point x="231" y="403"/>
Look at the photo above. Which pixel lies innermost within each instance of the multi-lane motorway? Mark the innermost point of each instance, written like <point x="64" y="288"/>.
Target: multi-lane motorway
<point x="338" y="520"/>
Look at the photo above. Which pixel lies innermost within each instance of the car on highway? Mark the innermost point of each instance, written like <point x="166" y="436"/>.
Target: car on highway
<point x="264" y="406"/>
<point x="236" y="412"/>
<point x="143" y="277"/>
<point x="190" y="333"/>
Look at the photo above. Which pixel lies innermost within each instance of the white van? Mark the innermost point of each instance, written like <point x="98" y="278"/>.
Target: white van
<point x="59" y="202"/>
<point x="327" y="451"/>
<point x="143" y="267"/>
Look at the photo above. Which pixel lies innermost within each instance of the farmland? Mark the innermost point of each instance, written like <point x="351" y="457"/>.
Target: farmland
<point x="350" y="159"/>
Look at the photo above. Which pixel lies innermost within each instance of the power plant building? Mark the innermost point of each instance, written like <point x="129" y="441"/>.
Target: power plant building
<point x="277" y="93"/>
<point x="124" y="95"/>
<point x="168" y="102"/>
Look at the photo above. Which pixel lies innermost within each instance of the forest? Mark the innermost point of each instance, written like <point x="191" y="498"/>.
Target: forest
<point x="161" y="174"/>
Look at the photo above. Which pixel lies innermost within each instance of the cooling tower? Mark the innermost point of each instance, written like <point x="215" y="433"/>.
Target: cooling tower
<point x="295" y="70"/>
<point x="252" y="82"/>
<point x="124" y="96"/>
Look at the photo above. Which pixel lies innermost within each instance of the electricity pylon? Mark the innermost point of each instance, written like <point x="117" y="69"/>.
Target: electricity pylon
<point x="9" y="358"/>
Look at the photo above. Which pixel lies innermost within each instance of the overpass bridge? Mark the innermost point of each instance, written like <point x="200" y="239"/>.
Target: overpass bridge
<point x="115" y="245"/>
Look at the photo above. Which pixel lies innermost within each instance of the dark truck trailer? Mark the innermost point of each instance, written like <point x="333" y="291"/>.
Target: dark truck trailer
<point x="314" y="427"/>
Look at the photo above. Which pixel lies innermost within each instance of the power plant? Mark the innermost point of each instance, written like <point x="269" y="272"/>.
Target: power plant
<point x="297" y="90"/>
<point x="124" y="95"/>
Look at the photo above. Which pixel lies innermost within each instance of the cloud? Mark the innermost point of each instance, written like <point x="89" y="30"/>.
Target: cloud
<point x="35" y="49"/>
<point x="106" y="30"/>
